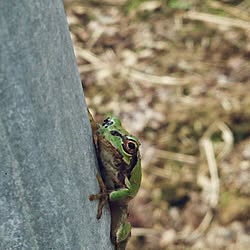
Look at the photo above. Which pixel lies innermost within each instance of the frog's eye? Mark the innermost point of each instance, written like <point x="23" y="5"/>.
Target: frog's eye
<point x="130" y="146"/>
<point x="107" y="122"/>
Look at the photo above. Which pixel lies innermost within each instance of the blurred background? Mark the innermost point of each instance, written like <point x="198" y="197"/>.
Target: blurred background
<point x="177" y="73"/>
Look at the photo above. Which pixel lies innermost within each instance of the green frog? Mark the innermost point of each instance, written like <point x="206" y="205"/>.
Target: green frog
<point x="120" y="166"/>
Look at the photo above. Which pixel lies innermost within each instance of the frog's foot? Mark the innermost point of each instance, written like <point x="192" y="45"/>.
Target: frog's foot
<point x="122" y="236"/>
<point x="102" y="196"/>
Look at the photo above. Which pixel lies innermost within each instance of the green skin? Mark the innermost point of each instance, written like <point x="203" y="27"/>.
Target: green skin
<point x="120" y="165"/>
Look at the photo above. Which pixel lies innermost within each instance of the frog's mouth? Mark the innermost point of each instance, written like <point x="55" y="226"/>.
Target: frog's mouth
<point x="132" y="164"/>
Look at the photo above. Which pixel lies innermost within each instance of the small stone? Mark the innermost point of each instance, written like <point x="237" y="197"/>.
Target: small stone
<point x="168" y="237"/>
<point x="246" y="152"/>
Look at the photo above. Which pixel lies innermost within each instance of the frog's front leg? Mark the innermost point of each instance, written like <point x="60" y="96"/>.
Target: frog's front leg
<point x="102" y="196"/>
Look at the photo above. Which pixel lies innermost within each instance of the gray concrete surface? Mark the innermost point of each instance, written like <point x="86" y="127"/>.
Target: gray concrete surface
<point x="47" y="161"/>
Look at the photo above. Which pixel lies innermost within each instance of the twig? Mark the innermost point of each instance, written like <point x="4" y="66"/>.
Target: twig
<point x="90" y="57"/>
<point x="213" y="170"/>
<point x="210" y="18"/>
<point x="207" y="145"/>
<point x="145" y="231"/>
<point x="176" y="156"/>
<point x="214" y="195"/>
<point x="162" y="172"/>
<point x="144" y="78"/>
<point x="149" y="78"/>
<point x="229" y="9"/>
<point x="227" y="137"/>
<point x="110" y="2"/>
<point x="88" y="68"/>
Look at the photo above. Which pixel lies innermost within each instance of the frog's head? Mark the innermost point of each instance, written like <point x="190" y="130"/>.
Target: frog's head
<point x="128" y="145"/>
